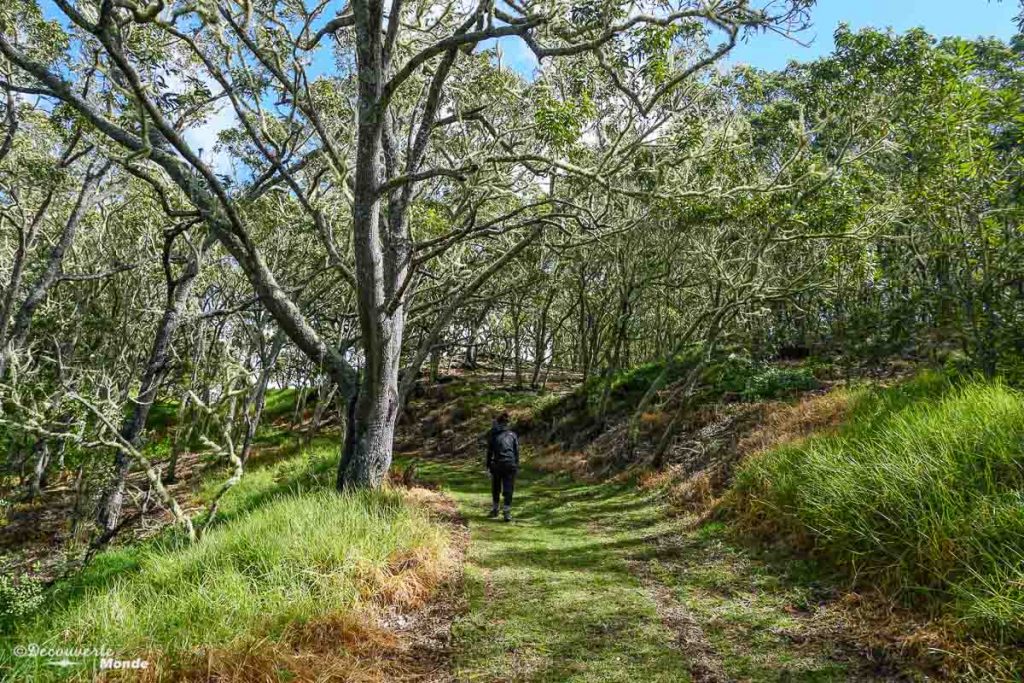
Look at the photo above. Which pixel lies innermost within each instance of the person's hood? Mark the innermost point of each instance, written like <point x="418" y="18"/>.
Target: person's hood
<point x="498" y="428"/>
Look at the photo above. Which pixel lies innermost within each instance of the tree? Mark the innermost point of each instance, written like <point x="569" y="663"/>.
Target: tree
<point x="412" y="75"/>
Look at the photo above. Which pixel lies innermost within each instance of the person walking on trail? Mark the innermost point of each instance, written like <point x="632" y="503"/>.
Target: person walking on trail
<point x="503" y="464"/>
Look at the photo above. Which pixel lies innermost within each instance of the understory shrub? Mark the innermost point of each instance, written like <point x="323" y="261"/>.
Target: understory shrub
<point x="753" y="381"/>
<point x="775" y="382"/>
<point x="18" y="598"/>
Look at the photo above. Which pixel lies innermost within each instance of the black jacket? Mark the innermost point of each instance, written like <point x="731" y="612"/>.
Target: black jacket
<point x="502" y="448"/>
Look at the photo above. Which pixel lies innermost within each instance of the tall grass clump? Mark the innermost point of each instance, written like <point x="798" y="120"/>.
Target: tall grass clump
<point x="292" y="558"/>
<point x="921" y="492"/>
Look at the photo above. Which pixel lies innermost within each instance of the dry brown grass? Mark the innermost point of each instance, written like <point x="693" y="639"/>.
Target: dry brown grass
<point x="406" y="608"/>
<point x="553" y="459"/>
<point x="783" y="423"/>
<point x="655" y="421"/>
<point x="432" y="500"/>
<point x="407" y="581"/>
<point x="937" y="645"/>
<point x="347" y="647"/>
<point x="412" y="577"/>
<point x="697" y="493"/>
<point x="656" y="479"/>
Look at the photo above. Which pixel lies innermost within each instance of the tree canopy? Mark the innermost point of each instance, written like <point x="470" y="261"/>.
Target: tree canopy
<point x="389" y="195"/>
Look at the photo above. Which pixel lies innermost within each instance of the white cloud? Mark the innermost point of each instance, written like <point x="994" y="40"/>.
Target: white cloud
<point x="203" y="138"/>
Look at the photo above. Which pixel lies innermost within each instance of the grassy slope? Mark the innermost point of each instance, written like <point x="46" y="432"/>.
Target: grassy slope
<point x="571" y="591"/>
<point x="593" y="582"/>
<point x="920" y="491"/>
<point x="287" y="551"/>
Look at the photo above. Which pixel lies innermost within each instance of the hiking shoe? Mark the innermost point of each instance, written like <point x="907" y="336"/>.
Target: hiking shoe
<point x="493" y="512"/>
<point x="506" y="516"/>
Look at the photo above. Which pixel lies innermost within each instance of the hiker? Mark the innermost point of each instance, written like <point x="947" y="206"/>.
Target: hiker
<point x="502" y="463"/>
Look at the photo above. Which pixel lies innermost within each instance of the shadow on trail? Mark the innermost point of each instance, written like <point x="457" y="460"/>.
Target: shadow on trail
<point x="551" y="596"/>
<point x="588" y="582"/>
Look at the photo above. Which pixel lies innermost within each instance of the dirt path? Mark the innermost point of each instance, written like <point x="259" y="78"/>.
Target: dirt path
<point x="703" y="660"/>
<point x="595" y="583"/>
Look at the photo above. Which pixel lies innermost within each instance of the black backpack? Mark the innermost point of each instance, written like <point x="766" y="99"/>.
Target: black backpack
<point x="503" y="445"/>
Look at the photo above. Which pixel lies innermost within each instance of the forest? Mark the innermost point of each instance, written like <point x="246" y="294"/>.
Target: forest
<point x="277" y="275"/>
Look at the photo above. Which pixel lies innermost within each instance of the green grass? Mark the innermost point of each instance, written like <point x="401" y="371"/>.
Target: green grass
<point x="500" y="399"/>
<point x="551" y="598"/>
<point x="558" y="594"/>
<point x="921" y="492"/>
<point x="281" y="403"/>
<point x="289" y="550"/>
<point x="768" y="618"/>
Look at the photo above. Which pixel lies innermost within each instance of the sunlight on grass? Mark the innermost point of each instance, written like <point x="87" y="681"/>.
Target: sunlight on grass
<point x="295" y="557"/>
<point x="551" y="596"/>
<point x="921" y="490"/>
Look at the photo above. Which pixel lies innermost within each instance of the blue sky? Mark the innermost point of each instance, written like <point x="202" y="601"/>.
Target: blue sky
<point x="968" y="18"/>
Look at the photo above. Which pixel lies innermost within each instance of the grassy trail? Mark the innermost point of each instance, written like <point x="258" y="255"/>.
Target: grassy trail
<point x="594" y="583"/>
<point x="551" y="598"/>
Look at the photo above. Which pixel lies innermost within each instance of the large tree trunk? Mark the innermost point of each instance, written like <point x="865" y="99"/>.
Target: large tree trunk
<point x="382" y="256"/>
<point x="370" y="428"/>
<point x="367" y="456"/>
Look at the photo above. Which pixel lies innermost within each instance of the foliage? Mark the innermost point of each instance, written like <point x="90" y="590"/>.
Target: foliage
<point x="162" y="416"/>
<point x="775" y="382"/>
<point x="727" y="375"/>
<point x="750" y="380"/>
<point x="934" y="275"/>
<point x="18" y="599"/>
<point x="561" y="123"/>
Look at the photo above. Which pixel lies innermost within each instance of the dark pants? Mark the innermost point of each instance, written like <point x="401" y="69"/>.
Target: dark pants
<point x="502" y="483"/>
